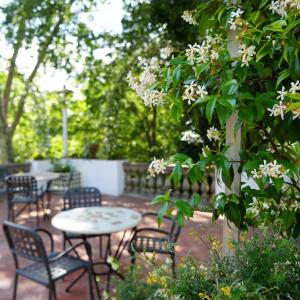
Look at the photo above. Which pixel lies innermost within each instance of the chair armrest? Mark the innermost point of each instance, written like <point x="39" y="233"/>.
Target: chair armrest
<point x="49" y="236"/>
<point x="153" y="214"/>
<point x="152" y="230"/>
<point x="87" y="247"/>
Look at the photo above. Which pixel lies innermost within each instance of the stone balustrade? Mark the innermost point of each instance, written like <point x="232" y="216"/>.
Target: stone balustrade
<point x="140" y="184"/>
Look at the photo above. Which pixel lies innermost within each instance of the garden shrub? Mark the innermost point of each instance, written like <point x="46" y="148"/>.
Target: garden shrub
<point x="264" y="267"/>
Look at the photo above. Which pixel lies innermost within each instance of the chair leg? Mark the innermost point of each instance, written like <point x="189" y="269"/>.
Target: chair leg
<point x="91" y="283"/>
<point x="132" y="257"/>
<point x="15" y="287"/>
<point x="173" y="264"/>
<point x="52" y="292"/>
<point x="100" y="246"/>
<point x="37" y="214"/>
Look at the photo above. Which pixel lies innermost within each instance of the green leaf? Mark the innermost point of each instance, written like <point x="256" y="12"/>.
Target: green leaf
<point x="233" y="213"/>
<point x="195" y="174"/>
<point x="159" y="199"/>
<point x="229" y="102"/>
<point x="176" y="75"/>
<point x="179" y="157"/>
<point x="293" y="106"/>
<point x="180" y="219"/>
<point x="254" y="16"/>
<point x="219" y="202"/>
<point x="200" y="69"/>
<point x="276" y="26"/>
<point x="210" y="107"/>
<point x="196" y="200"/>
<point x="233" y="198"/>
<point x="295" y="67"/>
<point x="264" y="50"/>
<point x="295" y="96"/>
<point x="282" y="76"/>
<point x="185" y="207"/>
<point x="230" y="87"/>
<point x="278" y="183"/>
<point x="177" y="173"/>
<point x="161" y="212"/>
<point x="224" y="114"/>
<point x="251" y="165"/>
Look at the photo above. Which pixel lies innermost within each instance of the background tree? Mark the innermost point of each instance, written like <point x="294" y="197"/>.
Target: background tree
<point x="44" y="25"/>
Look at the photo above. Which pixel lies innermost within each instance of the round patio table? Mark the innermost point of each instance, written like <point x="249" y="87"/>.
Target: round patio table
<point x="40" y="176"/>
<point x="100" y="220"/>
<point x="96" y="220"/>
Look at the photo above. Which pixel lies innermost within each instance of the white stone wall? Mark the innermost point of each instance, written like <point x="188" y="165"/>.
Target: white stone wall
<point x="106" y="175"/>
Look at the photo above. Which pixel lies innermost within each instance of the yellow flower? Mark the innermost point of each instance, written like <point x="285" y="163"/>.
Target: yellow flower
<point x="226" y="290"/>
<point x="203" y="296"/>
<point x="216" y="245"/>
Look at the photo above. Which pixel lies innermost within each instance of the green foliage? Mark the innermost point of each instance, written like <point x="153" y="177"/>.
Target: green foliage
<point x="246" y="63"/>
<point x="264" y="267"/>
<point x="61" y="167"/>
<point x="132" y="288"/>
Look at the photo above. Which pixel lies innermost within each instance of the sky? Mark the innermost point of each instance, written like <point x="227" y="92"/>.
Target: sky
<point x="106" y="17"/>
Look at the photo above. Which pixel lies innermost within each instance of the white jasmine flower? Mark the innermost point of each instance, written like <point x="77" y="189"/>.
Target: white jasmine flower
<point x="296" y="113"/>
<point x="190" y="93"/>
<point x="295" y="205"/>
<point x="237" y="14"/>
<point x="201" y="91"/>
<point x="278" y="110"/>
<point x="191" y="137"/>
<point x="157" y="166"/>
<point x="166" y="52"/>
<point x="253" y="210"/>
<point x="265" y="205"/>
<point x="154" y="98"/>
<point x="213" y="134"/>
<point x="191" y="51"/>
<point x="279" y="7"/>
<point x="295" y="86"/>
<point x="148" y="77"/>
<point x="281" y="93"/>
<point x="214" y="55"/>
<point x="246" y="54"/>
<point x="264" y="168"/>
<point x="272" y="170"/>
<point x="131" y="80"/>
<point x="205" y="151"/>
<point x="188" y="17"/>
<point x="202" y="53"/>
<point x="256" y="174"/>
<point x="154" y="64"/>
<point x="282" y="206"/>
<point x="233" y="21"/>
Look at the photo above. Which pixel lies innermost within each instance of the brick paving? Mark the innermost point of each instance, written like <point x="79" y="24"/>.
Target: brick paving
<point x="190" y="243"/>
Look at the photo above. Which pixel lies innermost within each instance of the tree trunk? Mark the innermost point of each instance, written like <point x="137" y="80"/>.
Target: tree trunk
<point x="6" y="149"/>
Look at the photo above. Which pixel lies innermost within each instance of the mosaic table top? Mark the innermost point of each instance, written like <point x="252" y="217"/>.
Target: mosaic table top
<point x="96" y="220"/>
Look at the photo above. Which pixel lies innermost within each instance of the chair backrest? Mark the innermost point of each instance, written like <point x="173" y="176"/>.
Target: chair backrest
<point x="25" y="242"/>
<point x="171" y="223"/>
<point x="25" y="185"/>
<point x="82" y="197"/>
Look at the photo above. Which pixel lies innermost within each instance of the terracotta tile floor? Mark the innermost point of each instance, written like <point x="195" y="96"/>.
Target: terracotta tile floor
<point x="188" y="243"/>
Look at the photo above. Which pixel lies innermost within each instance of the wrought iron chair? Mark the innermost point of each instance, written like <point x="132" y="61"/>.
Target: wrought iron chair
<point x="44" y="268"/>
<point x="23" y="190"/>
<point x="83" y="197"/>
<point x="155" y="240"/>
<point x="58" y="187"/>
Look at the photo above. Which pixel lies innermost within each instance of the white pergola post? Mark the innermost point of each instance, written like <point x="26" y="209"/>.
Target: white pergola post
<point x="65" y="92"/>
<point x="233" y="140"/>
<point x="65" y="130"/>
